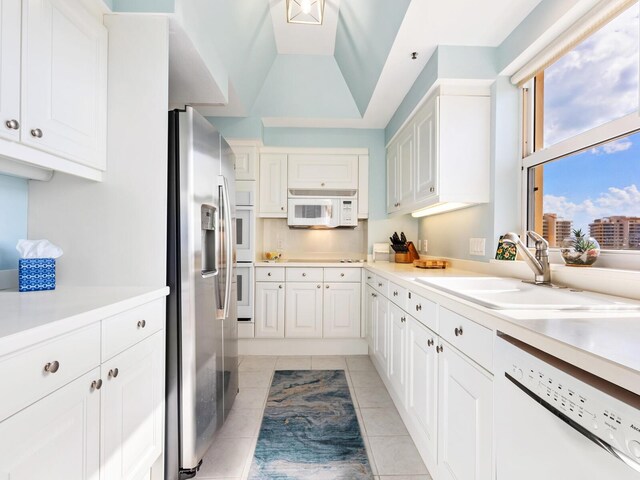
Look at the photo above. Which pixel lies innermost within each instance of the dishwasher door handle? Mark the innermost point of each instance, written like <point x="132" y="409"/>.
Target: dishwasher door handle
<point x="623" y="457"/>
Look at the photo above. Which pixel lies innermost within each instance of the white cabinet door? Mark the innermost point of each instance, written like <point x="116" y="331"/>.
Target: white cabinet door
<point x="57" y="438"/>
<point x="426" y="135"/>
<point x="132" y="410"/>
<point x="363" y="186"/>
<point x="397" y="351"/>
<point x="392" y="178"/>
<point x="246" y="159"/>
<point x="465" y="420"/>
<point x="303" y="315"/>
<point x="10" y="23"/>
<point x="273" y="185"/>
<point x="382" y="335"/>
<point x="269" y="310"/>
<point x="64" y="82"/>
<point x="341" y="316"/>
<point x="371" y="315"/>
<point x="323" y="172"/>
<point x="422" y="384"/>
<point x="405" y="180"/>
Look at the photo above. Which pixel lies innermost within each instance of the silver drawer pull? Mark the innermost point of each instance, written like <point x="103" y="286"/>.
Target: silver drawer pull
<point x="96" y="384"/>
<point x="52" y="367"/>
<point x="403" y="319"/>
<point x="36" y="133"/>
<point x="430" y="342"/>
<point x="113" y="373"/>
<point x="458" y="331"/>
<point x="12" y="124"/>
<point x="418" y="307"/>
<point x="142" y="323"/>
<point x="379" y="284"/>
<point x="439" y="349"/>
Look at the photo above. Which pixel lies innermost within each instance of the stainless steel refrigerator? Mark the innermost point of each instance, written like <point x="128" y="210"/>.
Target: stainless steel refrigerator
<point x="202" y="351"/>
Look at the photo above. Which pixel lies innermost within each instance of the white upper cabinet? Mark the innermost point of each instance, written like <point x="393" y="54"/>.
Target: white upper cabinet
<point x="246" y="160"/>
<point x="363" y="186"/>
<point x="323" y="172"/>
<point x="442" y="155"/>
<point x="273" y="185"/>
<point x="10" y="15"/>
<point x="64" y="81"/>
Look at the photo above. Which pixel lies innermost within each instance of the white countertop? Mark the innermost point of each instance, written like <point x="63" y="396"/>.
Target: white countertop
<point x="30" y="317"/>
<point x="603" y="343"/>
<point x="310" y="264"/>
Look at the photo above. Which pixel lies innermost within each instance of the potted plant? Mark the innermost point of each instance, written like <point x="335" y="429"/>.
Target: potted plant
<point x="579" y="250"/>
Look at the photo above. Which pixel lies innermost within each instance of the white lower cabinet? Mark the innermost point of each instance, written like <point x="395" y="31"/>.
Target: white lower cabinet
<point x="269" y="310"/>
<point x="57" y="438"/>
<point x="397" y="351"/>
<point x="132" y="414"/>
<point x="371" y="317"/>
<point x="341" y="312"/>
<point x="465" y="419"/>
<point x="303" y="315"/>
<point x="381" y="333"/>
<point x="422" y="386"/>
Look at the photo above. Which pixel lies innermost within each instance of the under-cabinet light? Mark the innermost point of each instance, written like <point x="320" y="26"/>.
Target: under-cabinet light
<point x="439" y="208"/>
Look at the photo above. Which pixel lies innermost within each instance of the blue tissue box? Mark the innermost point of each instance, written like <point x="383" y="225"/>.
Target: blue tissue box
<point x="35" y="274"/>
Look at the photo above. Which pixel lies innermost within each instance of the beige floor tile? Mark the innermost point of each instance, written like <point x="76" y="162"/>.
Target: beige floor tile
<point x="375" y="397"/>
<point x="242" y="422"/>
<point x="359" y="362"/>
<point x="251" y="398"/>
<point x="293" y="363"/>
<point x="249" y="460"/>
<point x="372" y="462"/>
<point x="396" y="456"/>
<point x="365" y="379"/>
<point x="328" y="363"/>
<point x="380" y="422"/>
<point x="226" y="458"/>
<point x="257" y="379"/>
<point x="255" y="363"/>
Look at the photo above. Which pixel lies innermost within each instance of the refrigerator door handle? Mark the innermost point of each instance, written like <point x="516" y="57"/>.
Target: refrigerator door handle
<point x="229" y="244"/>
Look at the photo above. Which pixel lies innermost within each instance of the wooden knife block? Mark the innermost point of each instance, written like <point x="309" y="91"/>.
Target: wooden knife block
<point x="408" y="257"/>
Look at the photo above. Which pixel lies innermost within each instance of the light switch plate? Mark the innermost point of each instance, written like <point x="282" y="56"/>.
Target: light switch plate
<point x="423" y="245"/>
<point x="477" y="246"/>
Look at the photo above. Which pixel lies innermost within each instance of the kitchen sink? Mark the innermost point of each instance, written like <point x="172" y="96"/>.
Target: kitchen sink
<point x="513" y="294"/>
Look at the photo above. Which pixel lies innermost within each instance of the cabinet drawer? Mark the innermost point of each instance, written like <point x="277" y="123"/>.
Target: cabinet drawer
<point x="304" y="274"/>
<point x="269" y="274"/>
<point x="342" y="275"/>
<point x="382" y="286"/>
<point x="30" y="374"/>
<point x="128" y="328"/>
<point x="370" y="278"/>
<point x="425" y="311"/>
<point x="398" y="295"/>
<point x="469" y="337"/>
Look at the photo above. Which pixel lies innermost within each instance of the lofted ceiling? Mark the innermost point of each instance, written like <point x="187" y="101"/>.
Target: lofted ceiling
<point x="352" y="71"/>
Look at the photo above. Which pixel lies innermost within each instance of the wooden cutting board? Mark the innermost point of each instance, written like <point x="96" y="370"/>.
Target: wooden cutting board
<point x="441" y="264"/>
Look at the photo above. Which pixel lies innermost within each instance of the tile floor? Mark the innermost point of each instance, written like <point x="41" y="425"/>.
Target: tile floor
<point x="392" y="454"/>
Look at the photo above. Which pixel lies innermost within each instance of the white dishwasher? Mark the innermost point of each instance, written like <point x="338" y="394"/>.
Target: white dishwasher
<point x="557" y="422"/>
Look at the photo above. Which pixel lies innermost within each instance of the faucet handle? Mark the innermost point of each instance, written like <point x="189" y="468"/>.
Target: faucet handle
<point x="541" y="243"/>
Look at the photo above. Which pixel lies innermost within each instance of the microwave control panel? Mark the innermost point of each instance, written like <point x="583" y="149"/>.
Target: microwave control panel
<point x="348" y="213"/>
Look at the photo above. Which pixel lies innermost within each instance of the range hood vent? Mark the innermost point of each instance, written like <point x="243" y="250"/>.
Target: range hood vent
<point x="301" y="193"/>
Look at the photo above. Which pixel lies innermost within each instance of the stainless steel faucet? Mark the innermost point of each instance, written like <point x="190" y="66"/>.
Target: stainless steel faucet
<point x="538" y="263"/>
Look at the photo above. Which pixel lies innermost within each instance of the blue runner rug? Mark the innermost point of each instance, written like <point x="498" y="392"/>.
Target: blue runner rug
<point x="310" y="430"/>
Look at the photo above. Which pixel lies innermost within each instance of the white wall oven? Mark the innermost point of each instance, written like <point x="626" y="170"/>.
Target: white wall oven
<point x="555" y="421"/>
<point x="245" y="252"/>
<point x="244" y="273"/>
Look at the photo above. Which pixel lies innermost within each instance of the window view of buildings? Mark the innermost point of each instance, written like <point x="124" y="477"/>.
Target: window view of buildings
<point x="612" y="233"/>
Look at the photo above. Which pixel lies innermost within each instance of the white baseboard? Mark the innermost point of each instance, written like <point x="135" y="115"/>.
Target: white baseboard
<point x="302" y="346"/>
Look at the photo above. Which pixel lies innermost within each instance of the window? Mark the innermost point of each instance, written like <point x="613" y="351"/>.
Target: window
<point x="583" y="144"/>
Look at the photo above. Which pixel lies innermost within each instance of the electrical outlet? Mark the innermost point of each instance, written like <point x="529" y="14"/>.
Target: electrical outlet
<point x="424" y="245"/>
<point x="477" y="246"/>
<point x="280" y="244"/>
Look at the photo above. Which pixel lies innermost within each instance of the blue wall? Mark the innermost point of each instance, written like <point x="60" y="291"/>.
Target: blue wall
<point x="13" y="218"/>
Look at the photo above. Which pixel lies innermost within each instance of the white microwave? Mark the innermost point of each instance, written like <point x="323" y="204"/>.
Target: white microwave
<point x="322" y="212"/>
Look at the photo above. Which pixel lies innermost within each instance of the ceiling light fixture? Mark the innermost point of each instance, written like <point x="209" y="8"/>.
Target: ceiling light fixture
<point x="307" y="12"/>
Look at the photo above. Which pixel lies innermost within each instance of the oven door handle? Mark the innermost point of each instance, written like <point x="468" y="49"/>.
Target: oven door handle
<point x="623" y="457"/>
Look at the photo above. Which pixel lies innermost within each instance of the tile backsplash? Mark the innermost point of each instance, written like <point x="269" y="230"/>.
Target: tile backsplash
<point x="301" y="244"/>
<point x="13" y="218"/>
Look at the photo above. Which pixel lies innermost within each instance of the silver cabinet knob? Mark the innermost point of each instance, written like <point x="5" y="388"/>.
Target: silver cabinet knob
<point x="282" y="208"/>
<point x="374" y="295"/>
<point x="304" y="274"/>
<point x="268" y="274"/>
<point x="379" y="284"/>
<point x="342" y="274"/>
<point x="326" y="286"/>
<point x="52" y="367"/>
<point x="142" y="323"/>
<point x="419" y="307"/>
<point x="12" y="124"/>
<point x="403" y="319"/>
<point x="430" y="342"/>
<point x="322" y="184"/>
<point x="458" y="331"/>
<point x="113" y="373"/>
<point x="36" y="132"/>
<point x="432" y="189"/>
<point x="279" y="286"/>
<point x="319" y="286"/>
<point x="439" y="349"/>
<point x="96" y="384"/>
<point x="395" y="293"/>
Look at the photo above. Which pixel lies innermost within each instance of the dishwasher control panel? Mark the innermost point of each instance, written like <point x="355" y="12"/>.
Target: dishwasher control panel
<point x="570" y="398"/>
